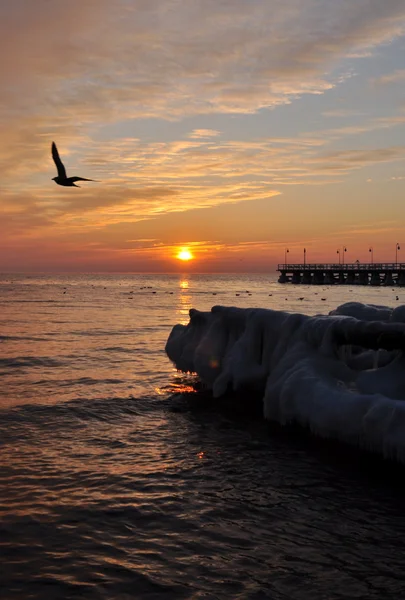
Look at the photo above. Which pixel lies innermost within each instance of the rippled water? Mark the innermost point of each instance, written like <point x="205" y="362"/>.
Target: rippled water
<point x="111" y="487"/>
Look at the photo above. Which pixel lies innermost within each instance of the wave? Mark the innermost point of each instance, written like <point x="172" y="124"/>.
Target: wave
<point x="104" y="332"/>
<point x="29" y="361"/>
<point x="20" y="301"/>
<point x="341" y="375"/>
<point x="7" y="338"/>
<point x="85" y="381"/>
<point x="29" y="420"/>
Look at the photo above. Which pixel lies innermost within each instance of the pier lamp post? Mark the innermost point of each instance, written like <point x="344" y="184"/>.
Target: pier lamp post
<point x="371" y="250"/>
<point x="343" y="254"/>
<point x="305" y="253"/>
<point x="286" y="251"/>
<point x="397" y="247"/>
<point x="338" y="252"/>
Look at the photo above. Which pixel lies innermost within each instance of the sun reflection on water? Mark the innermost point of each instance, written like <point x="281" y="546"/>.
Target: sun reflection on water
<point x="184" y="302"/>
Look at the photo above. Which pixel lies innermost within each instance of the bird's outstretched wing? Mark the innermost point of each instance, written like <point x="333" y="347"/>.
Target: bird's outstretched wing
<point x="58" y="162"/>
<point x="80" y="179"/>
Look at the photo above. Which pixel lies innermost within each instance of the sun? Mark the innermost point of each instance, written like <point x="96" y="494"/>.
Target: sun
<point x="185" y="254"/>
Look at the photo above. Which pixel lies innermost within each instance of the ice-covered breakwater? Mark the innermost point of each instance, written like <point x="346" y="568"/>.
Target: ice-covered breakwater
<point x="342" y="374"/>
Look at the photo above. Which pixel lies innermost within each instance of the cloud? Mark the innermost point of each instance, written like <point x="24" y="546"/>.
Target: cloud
<point x="342" y="113"/>
<point x="204" y="133"/>
<point x="348" y="160"/>
<point x="370" y="229"/>
<point x="171" y="57"/>
<point x="395" y="77"/>
<point x="174" y="177"/>
<point x="113" y="60"/>
<point x="137" y="201"/>
<point x="365" y="127"/>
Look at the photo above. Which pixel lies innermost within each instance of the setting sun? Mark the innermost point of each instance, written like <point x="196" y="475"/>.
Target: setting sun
<point x="185" y="254"/>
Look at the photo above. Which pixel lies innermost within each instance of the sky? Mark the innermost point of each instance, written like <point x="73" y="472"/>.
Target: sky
<point x="236" y="129"/>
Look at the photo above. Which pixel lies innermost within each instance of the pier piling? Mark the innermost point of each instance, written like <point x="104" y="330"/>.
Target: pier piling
<point x="353" y="274"/>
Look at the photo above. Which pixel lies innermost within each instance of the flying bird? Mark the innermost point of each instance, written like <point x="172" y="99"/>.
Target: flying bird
<point x="62" y="179"/>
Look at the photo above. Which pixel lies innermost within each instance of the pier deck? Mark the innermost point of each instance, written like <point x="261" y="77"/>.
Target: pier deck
<point x="351" y="273"/>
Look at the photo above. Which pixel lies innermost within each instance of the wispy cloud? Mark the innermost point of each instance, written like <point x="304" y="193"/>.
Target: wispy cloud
<point x="347" y="160"/>
<point x="395" y="77"/>
<point x="204" y="133"/>
<point x="113" y="60"/>
<point x="173" y="177"/>
<point x="366" y="126"/>
<point x="342" y="113"/>
<point x="166" y="58"/>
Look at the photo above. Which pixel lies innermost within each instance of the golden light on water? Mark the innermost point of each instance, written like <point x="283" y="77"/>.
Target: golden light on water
<point x="184" y="254"/>
<point x="185" y="302"/>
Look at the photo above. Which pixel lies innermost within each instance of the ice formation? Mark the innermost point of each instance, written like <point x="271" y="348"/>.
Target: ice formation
<point x="342" y="376"/>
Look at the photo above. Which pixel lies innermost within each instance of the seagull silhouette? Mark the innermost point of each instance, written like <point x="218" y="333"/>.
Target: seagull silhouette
<point x="62" y="179"/>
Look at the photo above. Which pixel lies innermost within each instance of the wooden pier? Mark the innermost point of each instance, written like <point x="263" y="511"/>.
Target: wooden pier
<point x="352" y="274"/>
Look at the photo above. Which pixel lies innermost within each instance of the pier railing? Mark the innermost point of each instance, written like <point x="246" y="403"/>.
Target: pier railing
<point x="341" y="267"/>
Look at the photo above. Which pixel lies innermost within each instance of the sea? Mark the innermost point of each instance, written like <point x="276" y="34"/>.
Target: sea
<point x="119" y="479"/>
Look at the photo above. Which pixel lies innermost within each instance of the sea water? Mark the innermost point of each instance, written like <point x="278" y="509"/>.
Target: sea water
<point x="115" y="485"/>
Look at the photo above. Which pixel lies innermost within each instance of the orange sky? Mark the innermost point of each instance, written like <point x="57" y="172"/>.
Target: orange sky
<point x="235" y="128"/>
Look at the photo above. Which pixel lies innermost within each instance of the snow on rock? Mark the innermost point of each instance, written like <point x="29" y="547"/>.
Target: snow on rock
<point x="365" y="312"/>
<point x="342" y="377"/>
<point x="398" y="314"/>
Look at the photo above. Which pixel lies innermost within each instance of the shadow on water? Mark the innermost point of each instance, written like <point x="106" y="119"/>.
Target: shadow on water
<point x="241" y="411"/>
